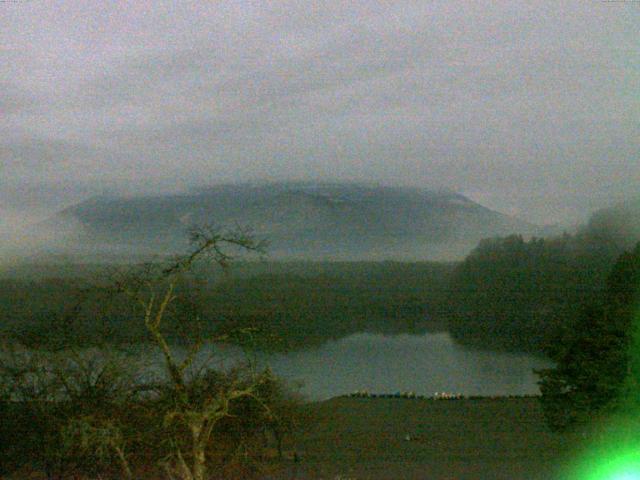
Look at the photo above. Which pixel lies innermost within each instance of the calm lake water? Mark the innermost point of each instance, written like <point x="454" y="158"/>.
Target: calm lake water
<point x="424" y="364"/>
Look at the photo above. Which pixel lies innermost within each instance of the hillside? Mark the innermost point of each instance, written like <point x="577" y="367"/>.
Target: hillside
<point x="300" y="220"/>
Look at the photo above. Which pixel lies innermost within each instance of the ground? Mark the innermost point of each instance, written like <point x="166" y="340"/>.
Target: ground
<point x="411" y="439"/>
<point x="360" y="438"/>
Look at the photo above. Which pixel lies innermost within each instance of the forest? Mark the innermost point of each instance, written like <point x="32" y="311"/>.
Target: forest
<point x="509" y="293"/>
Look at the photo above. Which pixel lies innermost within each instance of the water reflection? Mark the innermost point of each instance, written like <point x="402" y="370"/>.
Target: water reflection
<point x="424" y="364"/>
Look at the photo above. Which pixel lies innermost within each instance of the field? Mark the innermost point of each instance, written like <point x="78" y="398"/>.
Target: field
<point x="359" y="438"/>
<point x="397" y="439"/>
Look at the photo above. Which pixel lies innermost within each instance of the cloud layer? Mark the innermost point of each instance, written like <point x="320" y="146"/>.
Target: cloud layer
<point x="528" y="107"/>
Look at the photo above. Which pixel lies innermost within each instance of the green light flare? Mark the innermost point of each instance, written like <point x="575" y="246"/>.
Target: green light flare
<point x="616" y="453"/>
<point x="620" y="466"/>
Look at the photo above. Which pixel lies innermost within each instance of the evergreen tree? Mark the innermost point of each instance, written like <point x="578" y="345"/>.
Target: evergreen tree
<point x="594" y="358"/>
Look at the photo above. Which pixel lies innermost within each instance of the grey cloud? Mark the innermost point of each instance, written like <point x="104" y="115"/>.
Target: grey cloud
<point x="531" y="106"/>
<point x="204" y="73"/>
<point x="15" y="100"/>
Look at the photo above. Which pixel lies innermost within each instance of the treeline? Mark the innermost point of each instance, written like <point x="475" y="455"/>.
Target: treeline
<point x="291" y="304"/>
<point x="597" y="362"/>
<point x="522" y="295"/>
<point x="509" y="293"/>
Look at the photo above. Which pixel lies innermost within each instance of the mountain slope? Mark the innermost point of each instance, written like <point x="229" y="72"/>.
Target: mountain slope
<point x="310" y="220"/>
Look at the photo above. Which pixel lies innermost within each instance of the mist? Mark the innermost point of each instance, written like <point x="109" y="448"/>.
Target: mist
<point x="528" y="109"/>
<point x="26" y="235"/>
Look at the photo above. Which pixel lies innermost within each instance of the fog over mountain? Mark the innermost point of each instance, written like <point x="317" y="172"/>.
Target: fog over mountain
<point x="528" y="108"/>
<point x="346" y="221"/>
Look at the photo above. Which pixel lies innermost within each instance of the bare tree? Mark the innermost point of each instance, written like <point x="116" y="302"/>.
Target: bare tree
<point x="92" y="401"/>
<point x="153" y="288"/>
<point x="99" y="437"/>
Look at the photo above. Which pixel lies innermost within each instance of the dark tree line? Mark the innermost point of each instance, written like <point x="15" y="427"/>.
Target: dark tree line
<point x="597" y="356"/>
<point x="301" y="303"/>
<point x="517" y="294"/>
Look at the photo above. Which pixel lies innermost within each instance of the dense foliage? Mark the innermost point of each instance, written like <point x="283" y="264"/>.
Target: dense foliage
<point x="595" y="354"/>
<point x="90" y="416"/>
<point x="299" y="303"/>
<point x="517" y="294"/>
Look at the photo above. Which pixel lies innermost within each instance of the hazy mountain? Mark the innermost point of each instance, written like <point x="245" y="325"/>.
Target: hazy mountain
<point x="310" y="220"/>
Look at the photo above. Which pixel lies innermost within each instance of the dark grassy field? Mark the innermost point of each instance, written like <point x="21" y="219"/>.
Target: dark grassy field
<point x="362" y="438"/>
<point x="355" y="438"/>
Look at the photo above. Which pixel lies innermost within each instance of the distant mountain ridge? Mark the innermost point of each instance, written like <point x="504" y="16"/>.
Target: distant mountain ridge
<point x="340" y="221"/>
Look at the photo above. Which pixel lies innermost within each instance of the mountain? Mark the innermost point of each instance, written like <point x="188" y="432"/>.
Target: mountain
<point x="300" y="220"/>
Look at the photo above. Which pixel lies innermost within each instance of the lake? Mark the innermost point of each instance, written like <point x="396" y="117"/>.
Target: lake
<point x="424" y="364"/>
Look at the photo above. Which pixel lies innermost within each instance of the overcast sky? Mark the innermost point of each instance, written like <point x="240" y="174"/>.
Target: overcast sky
<point x="529" y="107"/>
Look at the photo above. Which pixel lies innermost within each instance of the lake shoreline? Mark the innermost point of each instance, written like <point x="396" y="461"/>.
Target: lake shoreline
<point x="421" y="365"/>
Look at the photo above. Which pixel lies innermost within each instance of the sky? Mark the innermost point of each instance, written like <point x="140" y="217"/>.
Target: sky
<point x="528" y="107"/>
